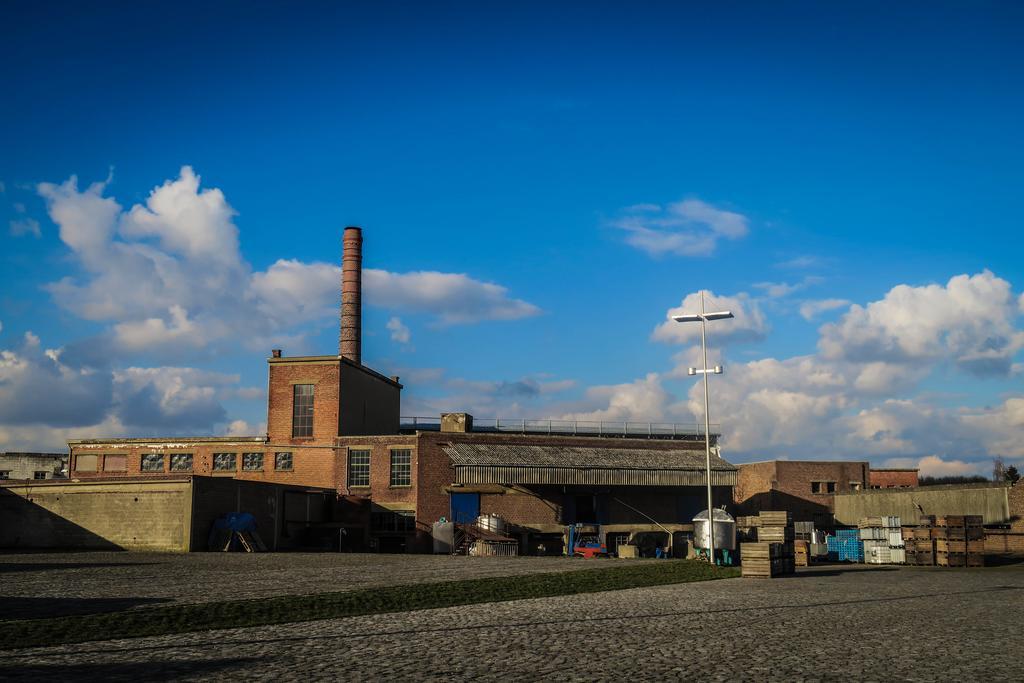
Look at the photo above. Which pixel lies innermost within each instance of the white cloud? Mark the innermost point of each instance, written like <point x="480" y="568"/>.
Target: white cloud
<point x="970" y="321"/>
<point x="453" y="298"/>
<point x="399" y="332"/>
<point x="935" y="466"/>
<point x="186" y="221"/>
<point x="46" y="399"/>
<point x="687" y="228"/>
<point x="643" y="400"/>
<point x="749" y="323"/>
<point x="168" y="276"/>
<point x="810" y="309"/>
<point x="777" y="290"/>
<point x="799" y="262"/>
<point x="25" y="226"/>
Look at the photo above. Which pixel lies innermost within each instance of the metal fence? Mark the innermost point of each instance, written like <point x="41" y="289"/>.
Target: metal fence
<point x="567" y="427"/>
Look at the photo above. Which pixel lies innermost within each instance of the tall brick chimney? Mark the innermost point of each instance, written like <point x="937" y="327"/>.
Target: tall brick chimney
<point x="349" y="344"/>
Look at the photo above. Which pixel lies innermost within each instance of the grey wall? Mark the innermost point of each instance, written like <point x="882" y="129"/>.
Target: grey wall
<point x="368" y="404"/>
<point x="988" y="500"/>
<point x="25" y="465"/>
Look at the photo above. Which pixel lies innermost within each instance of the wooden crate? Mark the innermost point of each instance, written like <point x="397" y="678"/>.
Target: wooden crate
<point x="950" y="559"/>
<point x="976" y="546"/>
<point x="924" y="558"/>
<point x="922" y="534"/>
<point x="956" y="533"/>
<point x="775" y="534"/>
<point x="926" y="520"/>
<point x="951" y="546"/>
<point x="950" y="520"/>
<point x="973" y="521"/>
<point x="975" y="533"/>
<point x="869" y="522"/>
<point x="775" y="518"/>
<point x="938" y="532"/>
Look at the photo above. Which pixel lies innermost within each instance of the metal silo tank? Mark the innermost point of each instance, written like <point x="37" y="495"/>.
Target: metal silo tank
<point x="725" y="530"/>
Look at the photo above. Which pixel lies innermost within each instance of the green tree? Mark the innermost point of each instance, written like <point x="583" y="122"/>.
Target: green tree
<point x="1011" y="474"/>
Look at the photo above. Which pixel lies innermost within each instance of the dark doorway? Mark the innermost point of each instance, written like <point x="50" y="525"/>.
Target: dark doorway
<point x="586" y="510"/>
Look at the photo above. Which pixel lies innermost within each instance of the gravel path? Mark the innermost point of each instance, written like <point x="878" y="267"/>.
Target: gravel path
<point x="828" y="623"/>
<point x="53" y="584"/>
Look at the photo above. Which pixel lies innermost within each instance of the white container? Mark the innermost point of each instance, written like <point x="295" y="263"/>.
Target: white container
<point x="895" y="539"/>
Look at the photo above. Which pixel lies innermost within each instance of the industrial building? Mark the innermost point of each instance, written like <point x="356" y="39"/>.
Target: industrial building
<point x="334" y="424"/>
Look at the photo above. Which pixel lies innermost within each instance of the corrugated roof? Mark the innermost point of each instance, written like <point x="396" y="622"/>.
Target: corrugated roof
<point x="589" y="457"/>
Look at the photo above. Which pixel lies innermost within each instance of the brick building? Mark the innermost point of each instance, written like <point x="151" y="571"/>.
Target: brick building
<point x="805" y="488"/>
<point x="892" y="478"/>
<point x="333" y="423"/>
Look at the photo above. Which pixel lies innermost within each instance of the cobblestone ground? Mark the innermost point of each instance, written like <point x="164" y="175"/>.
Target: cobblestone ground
<point x="831" y="623"/>
<point x="50" y="584"/>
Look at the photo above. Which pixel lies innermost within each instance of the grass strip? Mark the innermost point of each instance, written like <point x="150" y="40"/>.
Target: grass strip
<point x="158" y="621"/>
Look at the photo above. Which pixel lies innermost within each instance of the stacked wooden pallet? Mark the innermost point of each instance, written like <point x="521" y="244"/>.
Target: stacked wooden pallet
<point x="801" y="553"/>
<point x="773" y="553"/>
<point x="950" y="541"/>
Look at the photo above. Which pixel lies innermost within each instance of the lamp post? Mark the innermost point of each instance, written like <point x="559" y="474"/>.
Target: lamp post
<point x="703" y="319"/>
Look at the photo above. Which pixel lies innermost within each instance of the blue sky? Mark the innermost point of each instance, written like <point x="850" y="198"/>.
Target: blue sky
<point x="597" y="163"/>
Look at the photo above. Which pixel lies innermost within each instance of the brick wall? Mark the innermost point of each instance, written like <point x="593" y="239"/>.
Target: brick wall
<point x="1015" y="498"/>
<point x="892" y="478"/>
<point x="310" y="466"/>
<point x="1000" y="541"/>
<point x="788" y="485"/>
<point x="324" y="375"/>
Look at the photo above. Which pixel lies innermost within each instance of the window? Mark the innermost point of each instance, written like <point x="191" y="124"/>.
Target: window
<point x="181" y="462"/>
<point x="401" y="467"/>
<point x="86" y="463"/>
<point x="302" y="410"/>
<point x="225" y="462"/>
<point x="152" y="462"/>
<point x="830" y="486"/>
<point x="855" y="486"/>
<point x="283" y="461"/>
<point x="5" y="474"/>
<point x="115" y="463"/>
<point x="359" y="468"/>
<point x="39" y="475"/>
<point x="252" y="462"/>
<point x="402" y="521"/>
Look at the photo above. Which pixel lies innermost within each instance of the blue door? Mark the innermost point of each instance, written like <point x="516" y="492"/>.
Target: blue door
<point x="465" y="507"/>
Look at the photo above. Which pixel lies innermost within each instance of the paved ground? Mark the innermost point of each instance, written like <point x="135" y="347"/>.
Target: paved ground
<point x="52" y="584"/>
<point x="830" y="623"/>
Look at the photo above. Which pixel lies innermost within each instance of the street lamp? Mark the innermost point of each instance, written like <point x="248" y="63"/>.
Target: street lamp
<point x="703" y="317"/>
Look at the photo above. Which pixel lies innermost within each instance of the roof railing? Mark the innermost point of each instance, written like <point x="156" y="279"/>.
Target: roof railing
<point x="616" y="428"/>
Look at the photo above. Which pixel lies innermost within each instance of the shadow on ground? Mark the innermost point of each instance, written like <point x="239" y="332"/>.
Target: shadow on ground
<point x="47" y="608"/>
<point x="14" y="567"/>
<point x="131" y="671"/>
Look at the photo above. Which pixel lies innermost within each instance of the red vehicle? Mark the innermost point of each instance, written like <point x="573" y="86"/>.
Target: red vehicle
<point x="586" y="546"/>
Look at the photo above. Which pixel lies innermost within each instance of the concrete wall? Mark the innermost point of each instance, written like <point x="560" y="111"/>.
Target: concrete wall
<point x="369" y="403"/>
<point x="141" y="515"/>
<point x="989" y="500"/>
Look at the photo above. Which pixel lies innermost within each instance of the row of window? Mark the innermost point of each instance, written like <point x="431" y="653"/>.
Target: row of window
<point x="359" y="467"/>
<point x="830" y="486"/>
<point x="184" y="462"/>
<point x="6" y="474"/>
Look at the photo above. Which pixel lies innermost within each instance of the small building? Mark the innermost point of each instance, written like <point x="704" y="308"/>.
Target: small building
<point x="166" y="514"/>
<point x="892" y="478"/>
<point x="34" y="466"/>
<point x="806" y="488"/>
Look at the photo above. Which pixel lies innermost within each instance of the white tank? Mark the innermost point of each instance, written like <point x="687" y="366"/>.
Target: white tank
<point x="492" y="523"/>
<point x="725" y="530"/>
